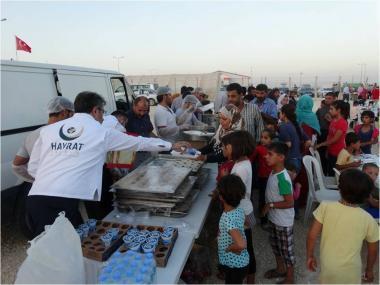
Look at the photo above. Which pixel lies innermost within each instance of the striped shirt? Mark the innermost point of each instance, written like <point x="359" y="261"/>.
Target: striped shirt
<point x="253" y="120"/>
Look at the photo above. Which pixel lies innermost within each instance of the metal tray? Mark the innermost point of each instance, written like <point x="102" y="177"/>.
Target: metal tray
<point x="182" y="162"/>
<point x="153" y="179"/>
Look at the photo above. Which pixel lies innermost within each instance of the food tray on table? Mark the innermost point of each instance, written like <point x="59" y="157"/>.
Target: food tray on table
<point x="175" y="161"/>
<point x="162" y="251"/>
<point x="153" y="179"/>
<point x="94" y="248"/>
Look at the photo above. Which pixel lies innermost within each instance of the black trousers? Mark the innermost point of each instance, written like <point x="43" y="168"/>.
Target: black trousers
<point x="43" y="210"/>
<point x="234" y="275"/>
<point x="331" y="161"/>
<point x="323" y="150"/>
<point x="252" y="259"/>
<point x="262" y="185"/>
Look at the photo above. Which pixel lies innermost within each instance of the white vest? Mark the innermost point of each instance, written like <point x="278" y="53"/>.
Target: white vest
<point x="68" y="157"/>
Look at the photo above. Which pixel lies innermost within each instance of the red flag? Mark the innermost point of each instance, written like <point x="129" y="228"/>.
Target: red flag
<point x="21" y="45"/>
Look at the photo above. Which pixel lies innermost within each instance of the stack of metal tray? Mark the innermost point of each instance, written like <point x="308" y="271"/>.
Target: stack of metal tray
<point x="162" y="185"/>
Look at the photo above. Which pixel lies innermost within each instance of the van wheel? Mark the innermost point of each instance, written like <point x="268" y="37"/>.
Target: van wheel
<point x="20" y="213"/>
<point x="152" y="102"/>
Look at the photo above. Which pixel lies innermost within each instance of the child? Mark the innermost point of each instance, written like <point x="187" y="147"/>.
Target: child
<point x="339" y="112"/>
<point x="346" y="156"/>
<point x="292" y="171"/>
<point x="264" y="170"/>
<point x="232" y="244"/>
<point x="237" y="146"/>
<point x="354" y="114"/>
<point x="372" y="170"/>
<point x="367" y="132"/>
<point x="279" y="206"/>
<point x="344" y="226"/>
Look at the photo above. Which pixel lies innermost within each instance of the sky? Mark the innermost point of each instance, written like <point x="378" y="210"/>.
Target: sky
<point x="271" y="40"/>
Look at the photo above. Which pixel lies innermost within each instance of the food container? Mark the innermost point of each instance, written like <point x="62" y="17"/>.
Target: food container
<point x="152" y="240"/>
<point x="127" y="239"/>
<point x="85" y="228"/>
<point x="92" y="224"/>
<point x="144" y="233"/>
<point x="155" y="234"/>
<point x="135" y="246"/>
<point x="166" y="238"/>
<point x="106" y="239"/>
<point x="140" y="239"/>
<point x="148" y="248"/>
<point x="114" y="232"/>
<point x="80" y="233"/>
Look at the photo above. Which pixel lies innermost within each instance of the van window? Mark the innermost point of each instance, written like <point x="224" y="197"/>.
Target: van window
<point x="120" y="93"/>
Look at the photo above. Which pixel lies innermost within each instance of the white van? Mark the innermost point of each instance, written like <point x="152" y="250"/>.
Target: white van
<point x="27" y="87"/>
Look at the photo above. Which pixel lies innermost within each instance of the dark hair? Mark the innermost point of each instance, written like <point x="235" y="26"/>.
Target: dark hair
<point x="119" y="113"/>
<point x="343" y="107"/>
<point x="332" y="94"/>
<point x="242" y="143"/>
<point x="290" y="166"/>
<point x="262" y="87"/>
<point x="279" y="148"/>
<point x="244" y="90"/>
<point x="250" y="89"/>
<point x="232" y="189"/>
<point x="351" y="138"/>
<point x="368" y="113"/>
<point x="236" y="87"/>
<point x="355" y="186"/>
<point x="356" y="102"/>
<point x="369" y="165"/>
<point x="190" y="89"/>
<point x="139" y="99"/>
<point x="86" y="101"/>
<point x="289" y="111"/>
<point x="271" y="133"/>
<point x="183" y="89"/>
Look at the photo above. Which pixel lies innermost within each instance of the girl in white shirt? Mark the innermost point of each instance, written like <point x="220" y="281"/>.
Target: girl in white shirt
<point x="237" y="146"/>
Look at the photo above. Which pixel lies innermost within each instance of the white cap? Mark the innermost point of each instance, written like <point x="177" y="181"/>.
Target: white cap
<point x="58" y="104"/>
<point x="163" y="90"/>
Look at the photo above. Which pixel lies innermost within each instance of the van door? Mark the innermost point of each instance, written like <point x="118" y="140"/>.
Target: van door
<point x="122" y="93"/>
<point x="71" y="83"/>
<point x="25" y="92"/>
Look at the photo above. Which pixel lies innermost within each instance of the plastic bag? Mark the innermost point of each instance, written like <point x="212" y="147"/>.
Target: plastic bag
<point x="55" y="256"/>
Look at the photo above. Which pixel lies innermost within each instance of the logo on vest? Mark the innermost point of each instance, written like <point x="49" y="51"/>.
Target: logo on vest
<point x="70" y="134"/>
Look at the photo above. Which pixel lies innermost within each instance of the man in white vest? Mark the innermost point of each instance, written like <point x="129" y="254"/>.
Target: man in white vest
<point x="67" y="161"/>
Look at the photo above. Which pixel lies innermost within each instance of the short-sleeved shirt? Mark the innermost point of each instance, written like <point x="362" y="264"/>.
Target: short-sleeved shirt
<point x="288" y="133"/>
<point x="243" y="169"/>
<point x="373" y="133"/>
<point x="336" y="125"/>
<point x="344" y="157"/>
<point x="260" y="153"/>
<point x="164" y="117"/>
<point x="279" y="184"/>
<point x="141" y="126"/>
<point x="268" y="106"/>
<point x="375" y="94"/>
<point x="253" y="120"/>
<point x="344" y="229"/>
<point x="26" y="149"/>
<point x="229" y="221"/>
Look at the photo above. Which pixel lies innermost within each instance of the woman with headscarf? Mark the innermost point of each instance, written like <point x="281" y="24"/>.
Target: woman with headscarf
<point x="230" y="121"/>
<point x="282" y="100"/>
<point x="307" y="120"/>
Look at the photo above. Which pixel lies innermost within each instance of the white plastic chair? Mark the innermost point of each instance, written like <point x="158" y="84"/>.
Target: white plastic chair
<point x="317" y="191"/>
<point x="329" y="182"/>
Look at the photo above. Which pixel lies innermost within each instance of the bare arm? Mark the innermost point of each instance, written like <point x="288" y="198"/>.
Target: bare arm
<point x="371" y="259"/>
<point x="238" y="244"/>
<point x="333" y="140"/>
<point x="286" y="204"/>
<point x="19" y="160"/>
<point x="354" y="164"/>
<point x="312" y="236"/>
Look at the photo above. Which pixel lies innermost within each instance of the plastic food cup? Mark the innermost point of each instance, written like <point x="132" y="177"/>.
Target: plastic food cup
<point x="140" y="239"/>
<point x="146" y="233"/>
<point x="80" y="233"/>
<point x="85" y="228"/>
<point x="114" y="232"/>
<point x="128" y="239"/>
<point x="148" y="247"/>
<point x="135" y="246"/>
<point x="166" y="238"/>
<point x="152" y="240"/>
<point x="155" y="234"/>
<point x="169" y="229"/>
<point x="106" y="239"/>
<point x="132" y="231"/>
<point x="92" y="224"/>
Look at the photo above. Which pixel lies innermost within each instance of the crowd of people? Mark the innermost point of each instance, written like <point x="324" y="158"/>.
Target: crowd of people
<point x="260" y="142"/>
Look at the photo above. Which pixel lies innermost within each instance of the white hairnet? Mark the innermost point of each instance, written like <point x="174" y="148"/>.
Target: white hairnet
<point x="59" y="104"/>
<point x="163" y="90"/>
<point x="190" y="99"/>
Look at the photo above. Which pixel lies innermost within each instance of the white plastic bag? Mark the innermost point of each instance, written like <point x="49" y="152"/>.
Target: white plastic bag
<point x="55" y="256"/>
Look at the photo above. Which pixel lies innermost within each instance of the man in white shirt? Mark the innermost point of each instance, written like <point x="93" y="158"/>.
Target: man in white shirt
<point x="164" y="117"/>
<point x="67" y="161"/>
<point x="346" y="93"/>
<point x="116" y="120"/>
<point x="58" y="109"/>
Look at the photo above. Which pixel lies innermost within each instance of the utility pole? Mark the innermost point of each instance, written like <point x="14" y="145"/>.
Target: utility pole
<point x="301" y="79"/>
<point x="118" y="61"/>
<point x="316" y="86"/>
<point x="251" y="75"/>
<point x="290" y="83"/>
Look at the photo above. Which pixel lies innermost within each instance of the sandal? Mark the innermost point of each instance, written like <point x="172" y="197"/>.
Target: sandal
<point x="271" y="274"/>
